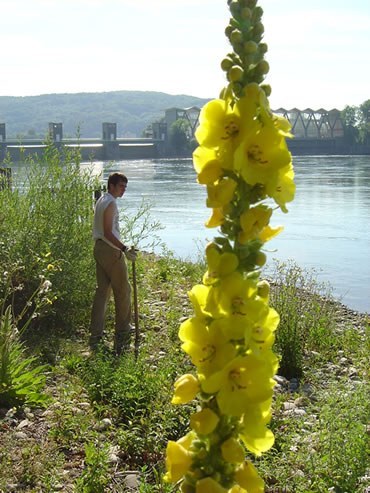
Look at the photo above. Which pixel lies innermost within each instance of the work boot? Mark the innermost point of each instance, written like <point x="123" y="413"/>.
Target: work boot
<point x="94" y="342"/>
<point x="122" y="341"/>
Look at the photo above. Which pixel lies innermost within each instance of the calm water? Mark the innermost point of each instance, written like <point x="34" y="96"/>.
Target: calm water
<point x="327" y="227"/>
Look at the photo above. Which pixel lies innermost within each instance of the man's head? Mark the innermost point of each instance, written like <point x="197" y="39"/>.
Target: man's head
<point x="117" y="184"/>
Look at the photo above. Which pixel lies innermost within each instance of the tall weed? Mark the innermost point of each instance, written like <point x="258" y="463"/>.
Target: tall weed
<point x="306" y="315"/>
<point x="21" y="380"/>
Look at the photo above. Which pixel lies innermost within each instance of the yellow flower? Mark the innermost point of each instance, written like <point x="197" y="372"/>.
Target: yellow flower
<point x="209" y="485"/>
<point x="218" y="124"/>
<point x="232" y="451"/>
<point x="236" y="295"/>
<point x="221" y="192"/>
<point x="210" y="163"/>
<point x="206" y="345"/>
<point x="178" y="459"/>
<point x="268" y="233"/>
<point x="199" y="297"/>
<point x="248" y="478"/>
<point x="186" y="388"/>
<point x="219" y="264"/>
<point x="249" y="107"/>
<point x="281" y="187"/>
<point x="204" y="422"/>
<point x="207" y="165"/>
<point x="253" y="430"/>
<point x="253" y="221"/>
<point x="234" y="327"/>
<point x="262" y="334"/>
<point x="260" y="154"/>
<point x="243" y="381"/>
<point x="217" y="218"/>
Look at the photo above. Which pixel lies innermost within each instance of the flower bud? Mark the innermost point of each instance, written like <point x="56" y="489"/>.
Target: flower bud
<point x="258" y="13"/>
<point x="267" y="89"/>
<point x="226" y="64"/>
<point x="260" y="259"/>
<point x="262" y="48"/>
<point x="246" y="13"/>
<point x="235" y="73"/>
<point x="228" y="30"/>
<point x="250" y="47"/>
<point x="234" y="7"/>
<point x="263" y="67"/>
<point x="258" y="29"/>
<point x="236" y="37"/>
<point x="251" y="3"/>
<point x="263" y="289"/>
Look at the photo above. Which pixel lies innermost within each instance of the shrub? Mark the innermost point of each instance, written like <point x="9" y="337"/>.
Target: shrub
<point x="306" y="319"/>
<point x="47" y="231"/>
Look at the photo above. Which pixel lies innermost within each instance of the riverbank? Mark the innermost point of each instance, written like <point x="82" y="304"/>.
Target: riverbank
<point x="107" y="417"/>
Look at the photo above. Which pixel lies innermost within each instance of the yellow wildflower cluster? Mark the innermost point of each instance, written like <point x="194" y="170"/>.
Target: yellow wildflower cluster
<point x="244" y="162"/>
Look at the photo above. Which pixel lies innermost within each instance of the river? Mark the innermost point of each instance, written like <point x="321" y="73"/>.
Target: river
<point x="327" y="228"/>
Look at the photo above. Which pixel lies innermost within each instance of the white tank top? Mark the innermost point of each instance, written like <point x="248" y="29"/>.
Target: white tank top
<point x="98" y="227"/>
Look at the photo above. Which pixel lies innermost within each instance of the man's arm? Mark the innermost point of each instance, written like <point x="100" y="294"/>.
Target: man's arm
<point x="108" y="226"/>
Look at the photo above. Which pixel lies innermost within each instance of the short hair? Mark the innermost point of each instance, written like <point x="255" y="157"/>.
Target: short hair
<point x="115" y="178"/>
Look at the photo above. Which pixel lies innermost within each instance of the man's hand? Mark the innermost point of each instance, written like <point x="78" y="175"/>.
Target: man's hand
<point x="131" y="254"/>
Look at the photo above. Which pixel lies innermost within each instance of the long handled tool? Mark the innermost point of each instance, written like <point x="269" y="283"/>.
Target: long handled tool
<point x="136" y="310"/>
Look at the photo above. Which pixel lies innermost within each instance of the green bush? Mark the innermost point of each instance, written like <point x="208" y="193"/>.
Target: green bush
<point x="46" y="232"/>
<point x="306" y="316"/>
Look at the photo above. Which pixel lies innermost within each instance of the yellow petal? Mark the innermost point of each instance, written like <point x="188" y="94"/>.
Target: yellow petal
<point x="178" y="461"/>
<point x="217" y="218"/>
<point x="204" y="421"/>
<point x="186" y="388"/>
<point x="268" y="233"/>
<point x="209" y="485"/>
<point x="249" y="479"/>
<point x="207" y="165"/>
<point x="232" y="451"/>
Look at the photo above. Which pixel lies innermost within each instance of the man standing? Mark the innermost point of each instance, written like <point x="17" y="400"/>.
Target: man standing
<point x="111" y="268"/>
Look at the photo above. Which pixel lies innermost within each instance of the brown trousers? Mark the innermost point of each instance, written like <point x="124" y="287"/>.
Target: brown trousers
<point x="111" y="275"/>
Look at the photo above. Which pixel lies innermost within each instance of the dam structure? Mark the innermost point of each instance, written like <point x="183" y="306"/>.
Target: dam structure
<point x="316" y="132"/>
<point x="106" y="148"/>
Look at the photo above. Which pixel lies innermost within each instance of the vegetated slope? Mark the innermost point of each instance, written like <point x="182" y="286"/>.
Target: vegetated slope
<point x="28" y="116"/>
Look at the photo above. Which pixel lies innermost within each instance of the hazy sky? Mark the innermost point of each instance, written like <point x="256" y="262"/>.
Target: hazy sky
<point x="319" y="50"/>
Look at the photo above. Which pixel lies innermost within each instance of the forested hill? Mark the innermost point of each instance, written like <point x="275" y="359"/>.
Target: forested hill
<point x="28" y="116"/>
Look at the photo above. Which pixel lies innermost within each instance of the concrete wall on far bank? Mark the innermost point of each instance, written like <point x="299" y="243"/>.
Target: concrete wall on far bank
<point x="307" y="147"/>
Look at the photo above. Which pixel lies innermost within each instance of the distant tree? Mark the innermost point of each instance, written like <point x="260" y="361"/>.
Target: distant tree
<point x="179" y="136"/>
<point x="356" y="120"/>
<point x="350" y="119"/>
<point x="364" y="122"/>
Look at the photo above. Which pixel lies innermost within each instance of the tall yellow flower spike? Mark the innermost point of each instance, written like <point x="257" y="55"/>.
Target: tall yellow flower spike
<point x="245" y="164"/>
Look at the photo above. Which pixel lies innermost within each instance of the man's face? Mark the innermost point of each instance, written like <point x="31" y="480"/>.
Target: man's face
<point x="119" y="189"/>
